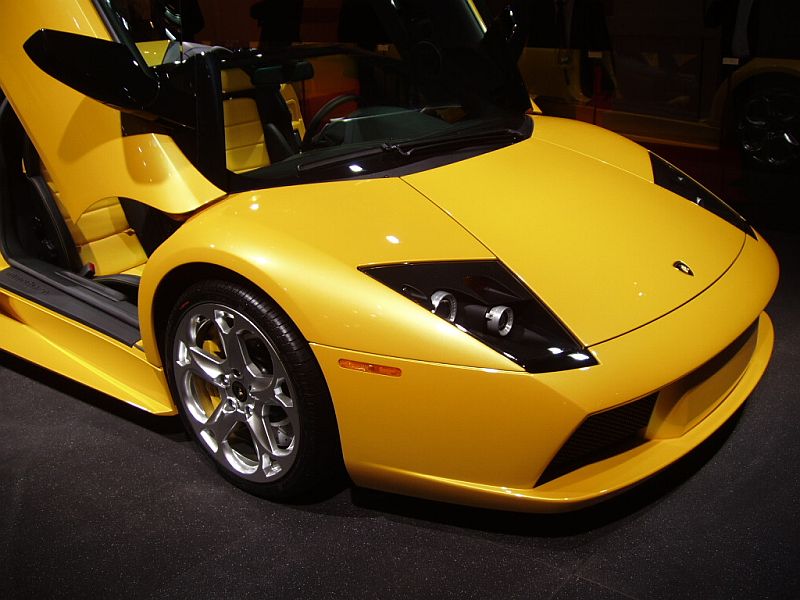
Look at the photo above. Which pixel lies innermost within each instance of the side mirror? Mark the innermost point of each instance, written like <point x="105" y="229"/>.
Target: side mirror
<point x="105" y="71"/>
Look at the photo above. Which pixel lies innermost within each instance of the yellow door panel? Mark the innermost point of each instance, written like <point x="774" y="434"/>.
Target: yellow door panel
<point x="98" y="162"/>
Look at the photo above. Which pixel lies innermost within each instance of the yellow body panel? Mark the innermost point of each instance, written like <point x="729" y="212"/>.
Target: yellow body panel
<point x="399" y="434"/>
<point x="305" y="256"/>
<point x="596" y="143"/>
<point x="601" y="285"/>
<point x="80" y="353"/>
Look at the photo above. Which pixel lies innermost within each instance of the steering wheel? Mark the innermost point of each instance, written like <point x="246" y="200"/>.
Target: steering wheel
<point x="315" y="126"/>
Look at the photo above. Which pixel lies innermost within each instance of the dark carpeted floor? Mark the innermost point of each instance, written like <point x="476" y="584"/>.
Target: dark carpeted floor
<point x="99" y="500"/>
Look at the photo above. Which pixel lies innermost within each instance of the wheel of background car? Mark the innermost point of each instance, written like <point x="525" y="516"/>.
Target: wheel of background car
<point x="250" y="391"/>
<point x="768" y="125"/>
<point x="324" y="112"/>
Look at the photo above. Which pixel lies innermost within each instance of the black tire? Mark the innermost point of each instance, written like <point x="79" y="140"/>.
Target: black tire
<point x="768" y="124"/>
<point x="250" y="391"/>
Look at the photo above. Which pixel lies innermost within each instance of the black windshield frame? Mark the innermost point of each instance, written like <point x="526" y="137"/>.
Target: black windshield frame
<point x="475" y="68"/>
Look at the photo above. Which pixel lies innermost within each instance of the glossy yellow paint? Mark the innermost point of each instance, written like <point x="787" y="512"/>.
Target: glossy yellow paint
<point x="306" y="255"/>
<point x="594" y="142"/>
<point x="601" y="285"/>
<point x="400" y="434"/>
<point x="81" y="143"/>
<point x="81" y="353"/>
<point x="580" y="488"/>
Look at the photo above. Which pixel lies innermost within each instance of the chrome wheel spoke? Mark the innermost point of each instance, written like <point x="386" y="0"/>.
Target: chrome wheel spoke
<point x="219" y="426"/>
<point x="274" y="390"/>
<point x="263" y="438"/>
<point x="258" y="379"/>
<point x="273" y="456"/>
<point x="205" y="365"/>
<point x="231" y="335"/>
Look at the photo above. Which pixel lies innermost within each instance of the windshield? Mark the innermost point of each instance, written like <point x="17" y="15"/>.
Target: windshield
<point x="285" y="91"/>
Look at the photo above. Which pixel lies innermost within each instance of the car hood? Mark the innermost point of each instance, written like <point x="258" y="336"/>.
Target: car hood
<point x="580" y="221"/>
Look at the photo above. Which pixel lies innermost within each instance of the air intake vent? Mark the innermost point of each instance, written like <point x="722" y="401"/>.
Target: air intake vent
<point x="600" y="436"/>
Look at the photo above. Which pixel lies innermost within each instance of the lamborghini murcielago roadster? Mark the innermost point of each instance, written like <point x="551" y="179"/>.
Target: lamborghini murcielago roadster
<point x="349" y="240"/>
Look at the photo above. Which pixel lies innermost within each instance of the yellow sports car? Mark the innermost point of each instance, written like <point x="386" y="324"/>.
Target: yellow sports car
<point x="364" y="252"/>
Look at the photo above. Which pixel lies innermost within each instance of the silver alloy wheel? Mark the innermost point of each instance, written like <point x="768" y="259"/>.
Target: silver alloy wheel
<point x="236" y="392"/>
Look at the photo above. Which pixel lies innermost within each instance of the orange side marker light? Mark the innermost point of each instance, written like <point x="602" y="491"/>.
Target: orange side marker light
<point x="355" y="365"/>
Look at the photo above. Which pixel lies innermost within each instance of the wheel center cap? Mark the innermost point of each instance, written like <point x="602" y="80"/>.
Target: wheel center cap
<point x="239" y="391"/>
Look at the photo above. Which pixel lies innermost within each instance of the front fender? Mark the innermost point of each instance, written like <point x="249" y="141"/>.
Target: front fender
<point x="303" y="245"/>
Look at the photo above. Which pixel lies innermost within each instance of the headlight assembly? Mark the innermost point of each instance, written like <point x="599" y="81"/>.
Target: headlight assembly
<point x="485" y="300"/>
<point x="677" y="182"/>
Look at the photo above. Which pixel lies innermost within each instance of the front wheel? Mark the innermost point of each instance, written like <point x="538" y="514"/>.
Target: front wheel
<point x="249" y="389"/>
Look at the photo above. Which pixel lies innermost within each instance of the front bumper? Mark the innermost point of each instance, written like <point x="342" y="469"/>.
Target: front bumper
<point x="485" y="437"/>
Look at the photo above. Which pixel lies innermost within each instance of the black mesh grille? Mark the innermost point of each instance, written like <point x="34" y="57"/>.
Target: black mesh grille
<point x="600" y="436"/>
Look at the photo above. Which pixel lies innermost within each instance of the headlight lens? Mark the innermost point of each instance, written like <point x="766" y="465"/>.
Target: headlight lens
<point x="485" y="300"/>
<point x="677" y="182"/>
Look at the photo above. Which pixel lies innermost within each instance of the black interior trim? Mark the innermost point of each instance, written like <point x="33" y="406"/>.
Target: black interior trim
<point x="64" y="246"/>
<point x="23" y="284"/>
<point x="278" y="146"/>
<point x="67" y="253"/>
<point x="93" y="286"/>
<point x="127" y="285"/>
<point x="84" y="290"/>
